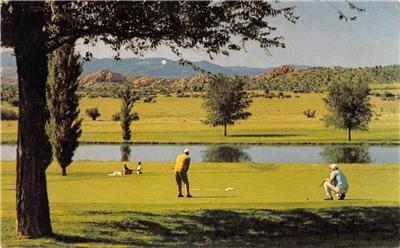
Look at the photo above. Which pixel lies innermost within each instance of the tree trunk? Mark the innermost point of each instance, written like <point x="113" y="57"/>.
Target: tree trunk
<point x="64" y="171"/>
<point x="225" y="130"/>
<point x="33" y="148"/>
<point x="349" y="132"/>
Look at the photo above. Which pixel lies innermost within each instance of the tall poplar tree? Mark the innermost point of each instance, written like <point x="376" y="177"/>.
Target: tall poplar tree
<point x="128" y="99"/>
<point x="64" y="126"/>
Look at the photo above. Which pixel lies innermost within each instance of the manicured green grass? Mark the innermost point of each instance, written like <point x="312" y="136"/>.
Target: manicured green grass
<point x="178" y="120"/>
<point x="267" y="206"/>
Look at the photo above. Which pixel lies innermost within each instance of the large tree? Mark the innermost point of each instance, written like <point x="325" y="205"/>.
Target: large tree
<point x="226" y="101"/>
<point x="64" y="126"/>
<point x="348" y="106"/>
<point x="35" y="29"/>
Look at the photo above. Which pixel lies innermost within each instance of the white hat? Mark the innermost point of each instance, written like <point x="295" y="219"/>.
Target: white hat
<point x="334" y="166"/>
<point x="186" y="150"/>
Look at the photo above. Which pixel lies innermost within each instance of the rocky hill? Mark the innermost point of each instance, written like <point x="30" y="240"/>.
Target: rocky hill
<point x="102" y="76"/>
<point x="148" y="81"/>
<point x="276" y="72"/>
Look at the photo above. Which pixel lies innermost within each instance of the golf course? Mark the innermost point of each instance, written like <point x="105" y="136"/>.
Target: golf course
<point x="233" y="204"/>
<point x="179" y="120"/>
<point x="268" y="204"/>
<point x="200" y="124"/>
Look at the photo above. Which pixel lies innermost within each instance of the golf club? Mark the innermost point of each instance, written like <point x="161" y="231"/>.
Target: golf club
<point x="322" y="183"/>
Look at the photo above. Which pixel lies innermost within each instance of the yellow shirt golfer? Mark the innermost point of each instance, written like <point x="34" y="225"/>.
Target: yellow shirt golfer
<point x="182" y="164"/>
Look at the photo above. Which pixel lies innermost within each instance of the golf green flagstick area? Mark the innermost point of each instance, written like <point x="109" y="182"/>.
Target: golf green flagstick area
<point x="267" y="205"/>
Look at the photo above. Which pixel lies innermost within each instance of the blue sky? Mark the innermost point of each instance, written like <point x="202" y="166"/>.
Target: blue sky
<point x="318" y="39"/>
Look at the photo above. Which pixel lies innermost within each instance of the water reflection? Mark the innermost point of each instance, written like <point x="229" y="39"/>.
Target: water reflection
<point x="255" y="153"/>
<point x="225" y="154"/>
<point x="346" y="154"/>
<point x="125" y="152"/>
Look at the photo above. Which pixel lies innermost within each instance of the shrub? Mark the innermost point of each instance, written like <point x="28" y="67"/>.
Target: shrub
<point x="93" y="113"/>
<point x="388" y="94"/>
<point x="7" y="114"/>
<point x="376" y="94"/>
<point x="149" y="99"/>
<point x="255" y="94"/>
<point x="116" y="116"/>
<point x="309" y="113"/>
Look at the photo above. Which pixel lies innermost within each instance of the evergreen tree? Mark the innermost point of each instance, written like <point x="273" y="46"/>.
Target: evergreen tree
<point x="64" y="126"/>
<point x="226" y="101"/>
<point x="128" y="100"/>
<point x="348" y="106"/>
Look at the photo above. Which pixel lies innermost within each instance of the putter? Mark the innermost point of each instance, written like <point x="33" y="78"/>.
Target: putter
<point x="322" y="183"/>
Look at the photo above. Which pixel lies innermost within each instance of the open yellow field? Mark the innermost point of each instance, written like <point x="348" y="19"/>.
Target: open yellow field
<point x="178" y="120"/>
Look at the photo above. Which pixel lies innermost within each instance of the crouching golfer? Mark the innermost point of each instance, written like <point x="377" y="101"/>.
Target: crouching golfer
<point x="337" y="183"/>
<point x="182" y="164"/>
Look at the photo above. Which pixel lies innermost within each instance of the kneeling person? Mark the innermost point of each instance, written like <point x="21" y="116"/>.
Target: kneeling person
<point x="337" y="183"/>
<point x="182" y="164"/>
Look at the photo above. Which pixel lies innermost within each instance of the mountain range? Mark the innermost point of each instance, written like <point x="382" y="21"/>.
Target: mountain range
<point x="157" y="67"/>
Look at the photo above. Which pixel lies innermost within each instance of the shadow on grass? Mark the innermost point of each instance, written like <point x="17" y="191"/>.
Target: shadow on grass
<point x="354" y="226"/>
<point x="79" y="239"/>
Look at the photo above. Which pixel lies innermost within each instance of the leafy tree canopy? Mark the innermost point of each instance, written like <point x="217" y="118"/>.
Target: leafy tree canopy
<point x="140" y="26"/>
<point x="226" y="101"/>
<point x="348" y="106"/>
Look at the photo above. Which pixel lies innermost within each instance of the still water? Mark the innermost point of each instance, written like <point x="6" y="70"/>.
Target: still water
<point x="234" y="153"/>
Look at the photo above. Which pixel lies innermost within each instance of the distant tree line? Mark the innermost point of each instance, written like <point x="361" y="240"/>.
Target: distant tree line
<point x="298" y="81"/>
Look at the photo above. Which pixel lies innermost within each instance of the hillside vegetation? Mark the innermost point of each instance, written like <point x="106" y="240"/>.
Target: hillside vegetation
<point x="284" y="78"/>
<point x="105" y="83"/>
<point x="317" y="79"/>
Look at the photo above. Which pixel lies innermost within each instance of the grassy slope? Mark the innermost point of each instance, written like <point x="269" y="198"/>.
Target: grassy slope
<point x="178" y="120"/>
<point x="268" y="205"/>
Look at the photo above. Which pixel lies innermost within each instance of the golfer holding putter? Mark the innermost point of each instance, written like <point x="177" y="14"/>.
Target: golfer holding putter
<point x="182" y="164"/>
<point x="337" y="183"/>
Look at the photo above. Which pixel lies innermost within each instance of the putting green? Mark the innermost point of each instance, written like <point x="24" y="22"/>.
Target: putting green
<point x="254" y="185"/>
<point x="268" y="204"/>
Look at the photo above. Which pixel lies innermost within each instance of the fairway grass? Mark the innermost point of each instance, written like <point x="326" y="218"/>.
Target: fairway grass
<point x="268" y="206"/>
<point x="179" y="120"/>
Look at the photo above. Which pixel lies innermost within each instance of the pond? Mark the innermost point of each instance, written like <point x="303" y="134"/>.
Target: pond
<point x="234" y="153"/>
